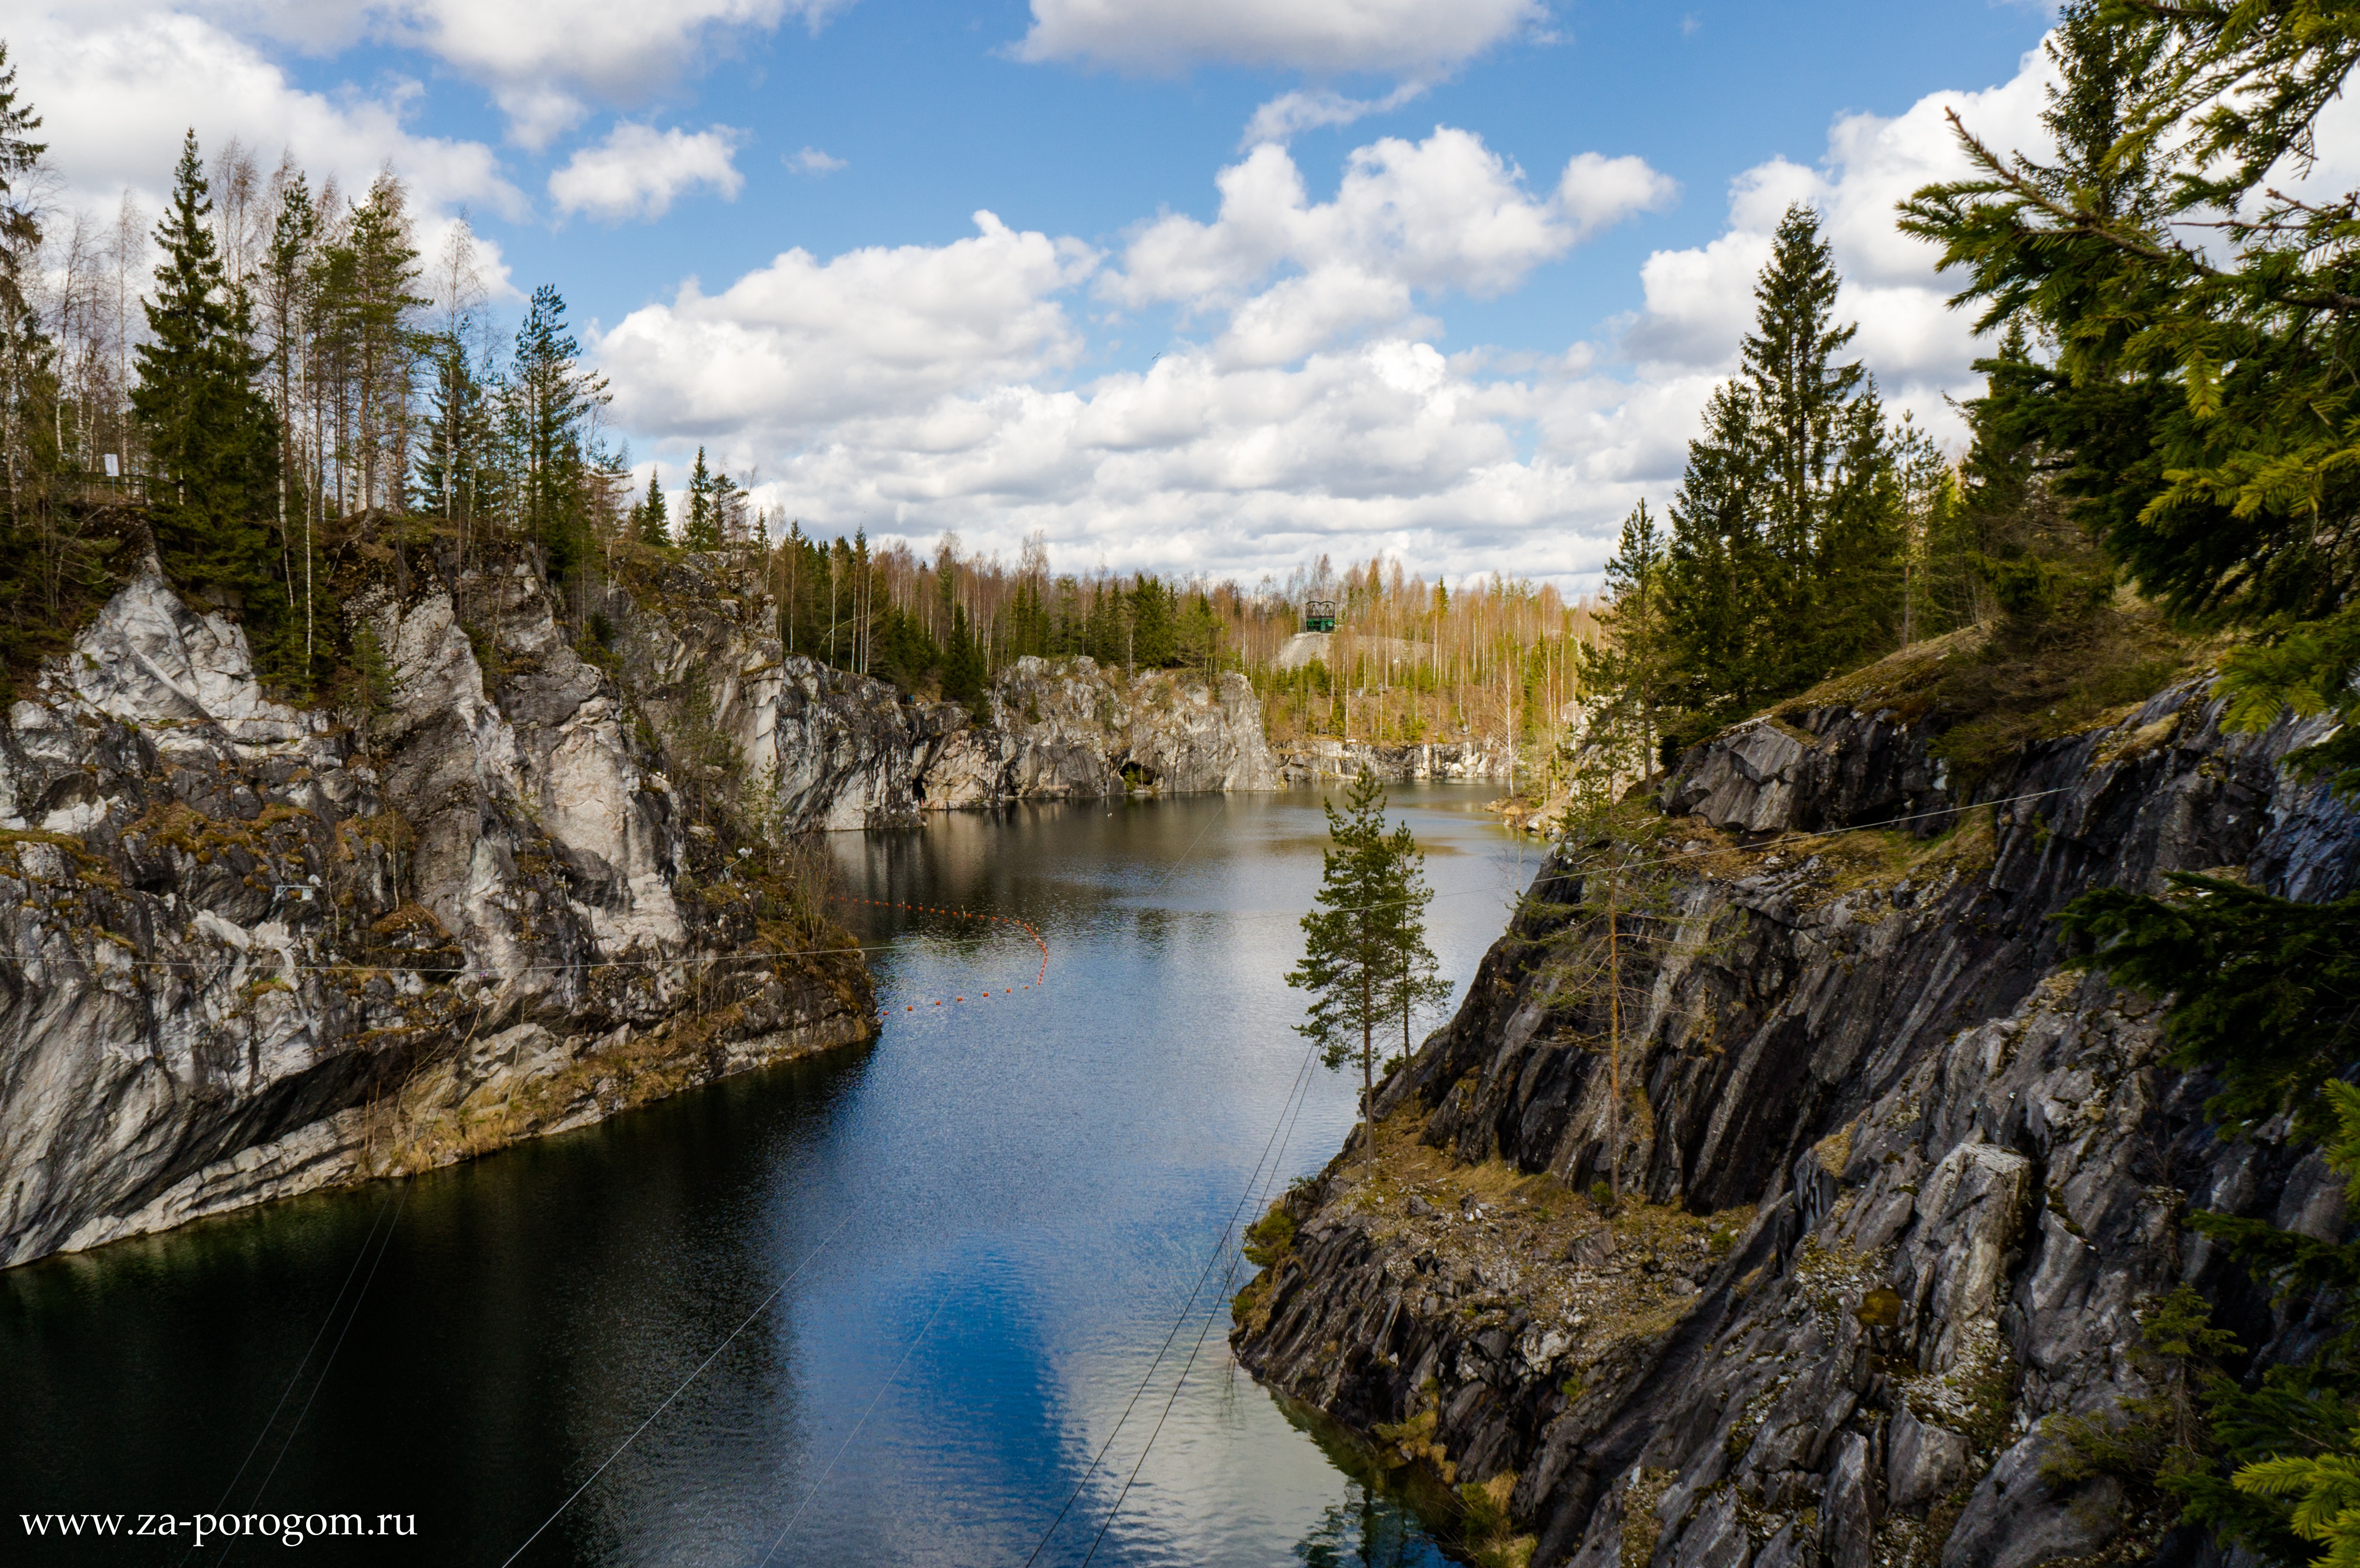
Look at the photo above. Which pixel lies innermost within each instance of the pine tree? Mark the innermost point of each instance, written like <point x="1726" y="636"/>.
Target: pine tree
<point x="1351" y="947"/>
<point x="654" y="524"/>
<point x="214" y="437"/>
<point x="701" y="527"/>
<point x="1413" y="982"/>
<point x="379" y="306"/>
<point x="285" y="281"/>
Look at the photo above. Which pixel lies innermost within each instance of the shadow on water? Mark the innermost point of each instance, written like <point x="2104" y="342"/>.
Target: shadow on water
<point x="980" y="1232"/>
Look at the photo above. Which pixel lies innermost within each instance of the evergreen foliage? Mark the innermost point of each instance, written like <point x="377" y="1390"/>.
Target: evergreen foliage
<point x="551" y="401"/>
<point x="701" y="519"/>
<point x="1786" y="556"/>
<point x="2201" y="420"/>
<point x="1623" y="673"/>
<point x="47" y="557"/>
<point x="1365" y="961"/>
<point x="649" y="520"/>
<point x="2197" y="420"/>
<point x="213" y="438"/>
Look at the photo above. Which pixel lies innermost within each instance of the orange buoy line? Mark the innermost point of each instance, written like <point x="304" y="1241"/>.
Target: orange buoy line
<point x="1038" y="980"/>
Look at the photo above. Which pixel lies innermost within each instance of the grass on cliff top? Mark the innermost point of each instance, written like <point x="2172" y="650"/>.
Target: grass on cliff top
<point x="1991" y="690"/>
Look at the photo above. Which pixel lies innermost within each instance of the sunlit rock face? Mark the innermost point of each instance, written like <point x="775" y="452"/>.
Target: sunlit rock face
<point x="254" y="949"/>
<point x="1897" y="1184"/>
<point x="822" y="748"/>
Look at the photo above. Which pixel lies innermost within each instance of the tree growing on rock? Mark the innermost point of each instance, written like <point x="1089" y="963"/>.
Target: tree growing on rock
<point x="1785" y="560"/>
<point x="1365" y="960"/>
<point x="2197" y="411"/>
<point x="650" y="519"/>
<point x="213" y="436"/>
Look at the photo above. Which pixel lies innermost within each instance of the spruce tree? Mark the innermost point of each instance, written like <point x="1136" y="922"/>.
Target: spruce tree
<point x="1625" y="667"/>
<point x="551" y="399"/>
<point x="456" y="440"/>
<point x="212" y="436"/>
<point x="654" y="524"/>
<point x="701" y="528"/>
<point x="1714" y="619"/>
<point x="20" y="155"/>
<point x="2197" y="416"/>
<point x="1786" y="556"/>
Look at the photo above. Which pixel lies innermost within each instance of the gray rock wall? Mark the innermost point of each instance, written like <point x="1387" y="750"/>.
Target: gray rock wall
<point x="1457" y="761"/>
<point x="829" y="750"/>
<point x="1901" y="1184"/>
<point x="248" y="950"/>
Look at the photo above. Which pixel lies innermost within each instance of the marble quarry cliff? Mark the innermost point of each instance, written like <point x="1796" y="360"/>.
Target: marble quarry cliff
<point x="1899" y="1183"/>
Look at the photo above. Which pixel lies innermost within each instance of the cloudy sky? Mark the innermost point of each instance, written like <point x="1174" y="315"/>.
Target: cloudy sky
<point x="1190" y="285"/>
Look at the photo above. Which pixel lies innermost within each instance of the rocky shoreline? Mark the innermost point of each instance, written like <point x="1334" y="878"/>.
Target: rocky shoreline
<point x="254" y="950"/>
<point x="513" y="881"/>
<point x="1900" y="1185"/>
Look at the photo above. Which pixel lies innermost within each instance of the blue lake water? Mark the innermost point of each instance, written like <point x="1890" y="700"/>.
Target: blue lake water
<point x="974" y="1238"/>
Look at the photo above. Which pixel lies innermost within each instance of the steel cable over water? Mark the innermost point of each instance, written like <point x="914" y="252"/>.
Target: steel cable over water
<point x="383" y="1248"/>
<point x="297" y="1375"/>
<point x="892" y="1378"/>
<point x="759" y="1307"/>
<point x="1228" y="1279"/>
<point x="1296" y="1094"/>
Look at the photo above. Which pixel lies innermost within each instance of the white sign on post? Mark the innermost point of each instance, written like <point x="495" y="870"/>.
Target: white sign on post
<point x="112" y="471"/>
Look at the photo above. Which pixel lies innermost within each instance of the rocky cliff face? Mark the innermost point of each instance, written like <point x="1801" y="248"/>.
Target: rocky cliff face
<point x="252" y="950"/>
<point x="1076" y="730"/>
<point x="824" y="749"/>
<point x="1899" y="1185"/>
<point x="1457" y="760"/>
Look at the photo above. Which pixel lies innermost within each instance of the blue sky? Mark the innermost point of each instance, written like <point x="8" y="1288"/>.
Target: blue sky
<point x="1470" y="324"/>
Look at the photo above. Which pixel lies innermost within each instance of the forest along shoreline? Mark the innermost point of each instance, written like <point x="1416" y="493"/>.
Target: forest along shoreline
<point x="529" y="860"/>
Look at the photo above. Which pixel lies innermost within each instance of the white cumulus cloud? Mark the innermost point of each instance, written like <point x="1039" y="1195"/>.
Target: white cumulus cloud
<point x="638" y="170"/>
<point x="1305" y="406"/>
<point x="1310" y="109"/>
<point x="1163" y="36"/>
<point x="800" y="344"/>
<point x="1699" y="300"/>
<point x="1447" y="212"/>
<point x="116" y="91"/>
<point x="545" y="62"/>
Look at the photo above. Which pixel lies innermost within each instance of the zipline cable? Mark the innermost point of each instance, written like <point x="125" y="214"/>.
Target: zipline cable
<point x="1227" y="1279"/>
<point x="297" y="1377"/>
<point x="759" y="1307"/>
<point x="940" y="1302"/>
<point x="350" y="1318"/>
<point x="1295" y="1092"/>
